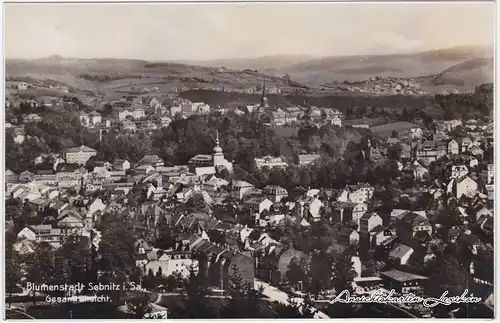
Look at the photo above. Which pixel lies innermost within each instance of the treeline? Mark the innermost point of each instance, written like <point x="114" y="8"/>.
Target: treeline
<point x="390" y="107"/>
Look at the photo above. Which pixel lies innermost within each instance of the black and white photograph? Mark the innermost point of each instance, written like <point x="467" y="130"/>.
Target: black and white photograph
<point x="239" y="160"/>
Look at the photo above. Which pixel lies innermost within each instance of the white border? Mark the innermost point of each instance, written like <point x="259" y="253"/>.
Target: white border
<point x="2" y="139"/>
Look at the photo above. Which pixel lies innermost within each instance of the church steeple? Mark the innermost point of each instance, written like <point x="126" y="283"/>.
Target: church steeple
<point x="263" y="98"/>
<point x="217" y="148"/>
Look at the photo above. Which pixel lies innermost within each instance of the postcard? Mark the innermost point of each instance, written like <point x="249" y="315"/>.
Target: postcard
<point x="249" y="160"/>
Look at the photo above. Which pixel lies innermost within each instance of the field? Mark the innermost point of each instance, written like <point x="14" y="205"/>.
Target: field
<point x="385" y="130"/>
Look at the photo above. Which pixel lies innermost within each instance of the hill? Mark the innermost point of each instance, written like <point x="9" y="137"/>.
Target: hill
<point x="268" y="63"/>
<point x="116" y="77"/>
<point x="358" y="68"/>
<point x="468" y="73"/>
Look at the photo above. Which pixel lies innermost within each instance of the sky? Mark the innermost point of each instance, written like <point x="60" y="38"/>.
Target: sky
<point x="195" y="31"/>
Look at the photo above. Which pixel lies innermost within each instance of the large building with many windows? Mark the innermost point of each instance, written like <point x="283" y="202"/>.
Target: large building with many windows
<point x="79" y="155"/>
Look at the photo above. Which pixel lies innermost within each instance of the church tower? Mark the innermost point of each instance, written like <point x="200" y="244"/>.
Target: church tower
<point x="263" y="99"/>
<point x="218" y="156"/>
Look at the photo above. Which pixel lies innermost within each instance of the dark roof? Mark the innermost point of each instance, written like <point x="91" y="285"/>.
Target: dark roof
<point x="401" y="275"/>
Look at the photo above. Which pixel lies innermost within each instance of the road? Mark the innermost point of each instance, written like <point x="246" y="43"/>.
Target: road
<point x="279" y="296"/>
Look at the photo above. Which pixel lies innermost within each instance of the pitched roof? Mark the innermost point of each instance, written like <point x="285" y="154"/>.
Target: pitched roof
<point x="400" y="251"/>
<point x="82" y="148"/>
<point x="151" y="159"/>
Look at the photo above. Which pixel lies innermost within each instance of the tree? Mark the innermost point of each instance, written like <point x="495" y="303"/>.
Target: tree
<point x="40" y="265"/>
<point x="12" y="275"/>
<point x="139" y="306"/>
<point x="394" y="134"/>
<point x="195" y="301"/>
<point x="296" y="271"/>
<point x="244" y="300"/>
<point x="450" y="276"/>
<point x="342" y="270"/>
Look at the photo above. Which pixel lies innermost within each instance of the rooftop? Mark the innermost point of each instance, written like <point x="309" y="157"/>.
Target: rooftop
<point x="401" y="275"/>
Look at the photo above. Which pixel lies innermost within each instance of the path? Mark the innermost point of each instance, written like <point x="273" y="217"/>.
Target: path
<point x="279" y="296"/>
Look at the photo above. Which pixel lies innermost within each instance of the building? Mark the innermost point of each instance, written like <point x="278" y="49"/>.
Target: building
<point x="128" y="125"/>
<point x="42" y="233"/>
<point x="152" y="160"/>
<point x="308" y="159"/>
<point x="403" y="282"/>
<point x="240" y="189"/>
<point x="32" y="117"/>
<point x="84" y="118"/>
<point x="401" y="254"/>
<point x="257" y="204"/>
<point x="95" y="118"/>
<point x="216" y="160"/>
<point x="431" y="150"/>
<point x="360" y="193"/>
<point x="275" y="193"/>
<point x="271" y="162"/>
<point x="278" y="118"/>
<point x="121" y="165"/>
<point x="219" y="264"/>
<point x="458" y="171"/>
<point x="22" y="86"/>
<point x="409" y="224"/>
<point x="79" y="155"/>
<point x="368" y="222"/>
<point x="134" y="113"/>
<point x="200" y="107"/>
<point x="463" y="186"/>
<point x="489" y="174"/>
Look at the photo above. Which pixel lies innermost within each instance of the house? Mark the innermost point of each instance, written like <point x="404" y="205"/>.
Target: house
<point x="22" y="86"/>
<point x="258" y="204"/>
<point x="165" y="122"/>
<point x="278" y="118"/>
<point x="18" y="135"/>
<point x="214" y="184"/>
<point x="42" y="233"/>
<point x="127" y="113"/>
<point x="308" y="208"/>
<point x="32" y="117"/>
<point x="334" y="119"/>
<point x="453" y="147"/>
<point x="271" y="162"/>
<point x="349" y="236"/>
<point x="372" y="153"/>
<point x="240" y="188"/>
<point x="464" y="186"/>
<point x="431" y="150"/>
<point x="144" y="169"/>
<point x="308" y="159"/>
<point x="401" y="253"/>
<point x="95" y="118"/>
<point x="418" y="171"/>
<point x="360" y="193"/>
<point x="274" y="193"/>
<point x="368" y="222"/>
<point x="408" y="224"/>
<point x="121" y="165"/>
<point x="219" y="264"/>
<point x="172" y="262"/>
<point x="403" y="282"/>
<point x="458" y="171"/>
<point x="358" y="211"/>
<point x="79" y="155"/>
<point x="476" y="151"/>
<point x="489" y="174"/>
<point x="152" y="160"/>
<point x="70" y="219"/>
